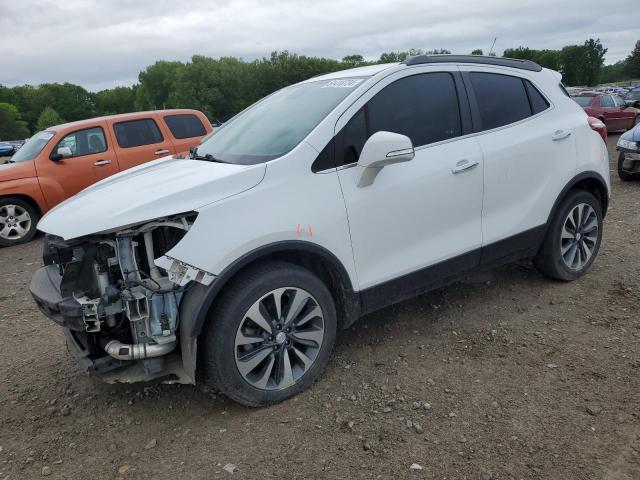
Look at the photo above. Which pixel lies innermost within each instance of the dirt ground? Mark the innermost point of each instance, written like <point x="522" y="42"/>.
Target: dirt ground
<point x="505" y="375"/>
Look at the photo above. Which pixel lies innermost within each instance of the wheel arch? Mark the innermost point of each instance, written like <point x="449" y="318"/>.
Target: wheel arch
<point x="199" y="300"/>
<point x="591" y="182"/>
<point x="30" y="200"/>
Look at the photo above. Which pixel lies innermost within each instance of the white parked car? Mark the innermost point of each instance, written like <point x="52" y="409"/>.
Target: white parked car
<point x="324" y="201"/>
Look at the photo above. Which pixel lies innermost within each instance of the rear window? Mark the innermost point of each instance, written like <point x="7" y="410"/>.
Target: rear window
<point x="502" y="99"/>
<point x="583" y="101"/>
<point x="185" y="126"/>
<point x="135" y="133"/>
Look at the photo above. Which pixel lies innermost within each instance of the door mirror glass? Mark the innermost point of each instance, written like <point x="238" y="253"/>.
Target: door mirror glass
<point x="380" y="150"/>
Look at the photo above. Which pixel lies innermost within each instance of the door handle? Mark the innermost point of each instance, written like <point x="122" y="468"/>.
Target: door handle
<point x="464" y="165"/>
<point x="102" y="163"/>
<point x="161" y="152"/>
<point x="560" y="135"/>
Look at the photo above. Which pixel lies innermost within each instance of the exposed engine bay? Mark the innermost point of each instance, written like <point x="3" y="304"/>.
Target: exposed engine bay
<point x="119" y="309"/>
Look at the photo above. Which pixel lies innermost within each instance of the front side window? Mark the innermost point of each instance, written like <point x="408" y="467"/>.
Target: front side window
<point x="84" y="142"/>
<point x="135" y="133"/>
<point x="185" y="126"/>
<point x="423" y="107"/>
<point x="32" y="147"/>
<point x="502" y="99"/>
<point x="606" y="101"/>
<point x="275" y="125"/>
<point x="633" y="94"/>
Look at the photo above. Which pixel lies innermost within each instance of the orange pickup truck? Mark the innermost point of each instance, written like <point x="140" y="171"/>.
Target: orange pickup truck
<point x="62" y="160"/>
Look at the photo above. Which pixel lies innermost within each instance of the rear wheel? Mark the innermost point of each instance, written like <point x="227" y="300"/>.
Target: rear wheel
<point x="573" y="239"/>
<point x="18" y="220"/>
<point x="270" y="335"/>
<point x="628" y="170"/>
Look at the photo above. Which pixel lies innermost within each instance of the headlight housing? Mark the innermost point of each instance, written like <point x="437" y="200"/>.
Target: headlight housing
<point x="628" y="145"/>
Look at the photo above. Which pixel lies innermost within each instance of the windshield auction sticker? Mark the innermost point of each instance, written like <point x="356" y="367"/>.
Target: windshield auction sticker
<point x="345" y="83"/>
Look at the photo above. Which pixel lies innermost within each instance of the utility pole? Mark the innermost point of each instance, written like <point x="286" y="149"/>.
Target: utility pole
<point x="492" y="45"/>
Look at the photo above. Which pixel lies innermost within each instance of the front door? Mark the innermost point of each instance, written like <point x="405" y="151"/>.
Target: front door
<point x="92" y="159"/>
<point x="418" y="214"/>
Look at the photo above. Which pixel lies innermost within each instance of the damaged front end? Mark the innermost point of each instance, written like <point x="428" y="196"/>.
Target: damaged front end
<point x="118" y="305"/>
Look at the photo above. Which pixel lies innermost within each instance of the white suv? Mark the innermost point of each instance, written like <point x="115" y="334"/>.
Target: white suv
<point x="324" y="201"/>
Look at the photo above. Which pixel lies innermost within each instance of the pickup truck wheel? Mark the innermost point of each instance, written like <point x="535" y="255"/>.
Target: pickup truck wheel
<point x="628" y="170"/>
<point x="18" y="220"/>
<point x="270" y="335"/>
<point x="573" y="239"/>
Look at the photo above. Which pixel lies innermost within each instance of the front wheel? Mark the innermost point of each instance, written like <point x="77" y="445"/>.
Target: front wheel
<point x="270" y="335"/>
<point x="18" y="220"/>
<point x="573" y="239"/>
<point x="628" y="170"/>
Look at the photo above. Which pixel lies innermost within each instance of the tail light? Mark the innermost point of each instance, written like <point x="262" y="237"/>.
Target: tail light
<point x="599" y="126"/>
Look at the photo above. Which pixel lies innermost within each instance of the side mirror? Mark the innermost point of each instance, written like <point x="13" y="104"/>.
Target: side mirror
<point x="63" y="152"/>
<point x="380" y="150"/>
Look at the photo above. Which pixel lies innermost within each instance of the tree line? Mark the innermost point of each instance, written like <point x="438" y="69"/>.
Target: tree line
<point x="223" y="87"/>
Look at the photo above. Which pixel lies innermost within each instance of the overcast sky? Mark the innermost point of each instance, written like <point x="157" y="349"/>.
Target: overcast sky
<point x="104" y="43"/>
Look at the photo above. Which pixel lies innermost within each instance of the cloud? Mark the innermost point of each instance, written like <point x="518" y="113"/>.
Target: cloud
<point x="100" y="44"/>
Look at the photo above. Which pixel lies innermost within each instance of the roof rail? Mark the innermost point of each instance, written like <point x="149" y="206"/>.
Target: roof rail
<point x="501" y="61"/>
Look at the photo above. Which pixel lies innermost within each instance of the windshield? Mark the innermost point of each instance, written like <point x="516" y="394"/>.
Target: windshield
<point x="583" y="101"/>
<point x="275" y="125"/>
<point x="33" y="147"/>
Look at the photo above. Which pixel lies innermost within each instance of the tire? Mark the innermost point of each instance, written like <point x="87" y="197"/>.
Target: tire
<point x="230" y="325"/>
<point x="550" y="260"/>
<point x="14" y="231"/>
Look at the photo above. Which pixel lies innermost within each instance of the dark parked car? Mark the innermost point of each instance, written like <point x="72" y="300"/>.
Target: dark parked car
<point x="629" y="158"/>
<point x="632" y="98"/>
<point x="6" y="149"/>
<point x="610" y="109"/>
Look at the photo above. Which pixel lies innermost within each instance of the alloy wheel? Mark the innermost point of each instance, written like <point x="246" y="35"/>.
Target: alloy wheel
<point x="15" y="222"/>
<point x="579" y="236"/>
<point x="279" y="338"/>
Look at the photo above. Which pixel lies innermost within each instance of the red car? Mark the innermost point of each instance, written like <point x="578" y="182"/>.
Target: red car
<point x="610" y="109"/>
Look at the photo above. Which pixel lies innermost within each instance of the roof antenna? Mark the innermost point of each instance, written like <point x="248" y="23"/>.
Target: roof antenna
<point x="492" y="45"/>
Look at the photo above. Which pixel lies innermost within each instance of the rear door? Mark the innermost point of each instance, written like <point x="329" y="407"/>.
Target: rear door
<point x="612" y="114"/>
<point x="93" y="158"/>
<point x="529" y="151"/>
<point x="186" y="129"/>
<point x="140" y="140"/>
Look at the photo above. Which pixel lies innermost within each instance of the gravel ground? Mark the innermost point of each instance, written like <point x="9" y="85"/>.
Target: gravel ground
<point x="505" y="375"/>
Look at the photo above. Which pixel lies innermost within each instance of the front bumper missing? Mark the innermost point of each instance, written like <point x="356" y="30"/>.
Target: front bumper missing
<point x="71" y="315"/>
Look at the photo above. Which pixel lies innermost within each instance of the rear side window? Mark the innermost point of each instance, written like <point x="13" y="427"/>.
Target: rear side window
<point x="607" y="101"/>
<point x="537" y="101"/>
<point x="583" y="101"/>
<point x="423" y="107"/>
<point x="84" y="142"/>
<point x="502" y="99"/>
<point x="135" y="133"/>
<point x="185" y="126"/>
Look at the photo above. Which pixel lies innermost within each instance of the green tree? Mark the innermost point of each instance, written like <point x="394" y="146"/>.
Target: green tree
<point x="48" y="118"/>
<point x="156" y="83"/>
<point x="11" y="126"/>
<point x="115" y="100"/>
<point x="353" y="60"/>
<point x="632" y="63"/>
<point x="477" y="51"/>
<point x="594" y="60"/>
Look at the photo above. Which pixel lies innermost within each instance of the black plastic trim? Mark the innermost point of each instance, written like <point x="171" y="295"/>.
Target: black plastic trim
<point x="500" y="61"/>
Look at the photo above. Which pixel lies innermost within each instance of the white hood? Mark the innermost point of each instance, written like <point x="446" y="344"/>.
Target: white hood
<point x="156" y="189"/>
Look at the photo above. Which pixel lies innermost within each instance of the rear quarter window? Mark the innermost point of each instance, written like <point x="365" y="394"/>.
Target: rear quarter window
<point x="185" y="126"/>
<point x="135" y="133"/>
